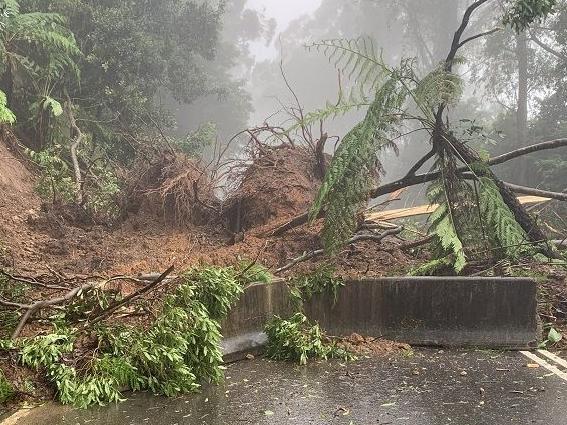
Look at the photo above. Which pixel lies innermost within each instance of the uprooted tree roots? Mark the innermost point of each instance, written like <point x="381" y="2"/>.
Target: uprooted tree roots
<point x="175" y="186"/>
<point x="277" y="182"/>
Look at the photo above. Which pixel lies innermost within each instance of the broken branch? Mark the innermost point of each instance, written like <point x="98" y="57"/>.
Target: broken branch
<point x="74" y="158"/>
<point x="357" y="238"/>
<point x="38" y="305"/>
<point x="536" y="192"/>
<point x="132" y="297"/>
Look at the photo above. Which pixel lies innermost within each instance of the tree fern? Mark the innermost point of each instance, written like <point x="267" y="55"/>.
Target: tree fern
<point x="467" y="220"/>
<point x="348" y="179"/>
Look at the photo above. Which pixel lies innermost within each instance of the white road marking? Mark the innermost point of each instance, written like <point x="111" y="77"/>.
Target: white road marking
<point x="545" y="364"/>
<point x="553" y="357"/>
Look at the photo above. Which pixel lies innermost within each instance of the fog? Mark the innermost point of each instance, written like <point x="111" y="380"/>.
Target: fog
<point x="260" y="38"/>
<point x="267" y="34"/>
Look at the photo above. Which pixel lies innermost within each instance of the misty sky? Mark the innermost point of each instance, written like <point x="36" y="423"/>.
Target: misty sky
<point x="283" y="11"/>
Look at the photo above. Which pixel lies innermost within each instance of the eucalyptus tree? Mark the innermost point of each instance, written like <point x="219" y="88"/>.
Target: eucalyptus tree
<point x="525" y="74"/>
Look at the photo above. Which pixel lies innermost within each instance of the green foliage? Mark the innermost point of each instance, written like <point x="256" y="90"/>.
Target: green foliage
<point x="37" y="43"/>
<point x="434" y="267"/>
<point x="248" y="273"/>
<point x="86" y="303"/>
<point x="216" y="288"/>
<point x="322" y="280"/>
<point x="520" y="14"/>
<point x="505" y="232"/>
<point x="356" y="165"/>
<point x="180" y="349"/>
<point x="332" y="111"/>
<point x="56" y="181"/>
<point x="444" y="226"/>
<point x="485" y="220"/>
<point x="127" y="62"/>
<point x="51" y="105"/>
<point x="357" y="58"/>
<point x="131" y="61"/>
<point x="102" y="191"/>
<point x="6" y="115"/>
<point x="349" y="177"/>
<point x="297" y="340"/>
<point x="438" y="87"/>
<point x="195" y="143"/>
<point x="6" y="390"/>
<point x="38" y="56"/>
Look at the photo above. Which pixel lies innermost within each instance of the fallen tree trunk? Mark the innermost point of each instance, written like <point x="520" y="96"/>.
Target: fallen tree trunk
<point x="430" y="208"/>
<point x="412" y="179"/>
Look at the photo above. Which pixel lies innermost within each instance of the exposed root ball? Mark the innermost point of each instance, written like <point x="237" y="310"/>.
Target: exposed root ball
<point x="176" y="187"/>
<point x="279" y="183"/>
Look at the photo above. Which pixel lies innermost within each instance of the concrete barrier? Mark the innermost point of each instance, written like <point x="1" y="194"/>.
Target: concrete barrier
<point x="498" y="313"/>
<point x="243" y="329"/>
<point x="450" y="312"/>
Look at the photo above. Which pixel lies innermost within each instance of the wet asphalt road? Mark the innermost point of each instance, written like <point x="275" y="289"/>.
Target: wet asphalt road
<point x="431" y="387"/>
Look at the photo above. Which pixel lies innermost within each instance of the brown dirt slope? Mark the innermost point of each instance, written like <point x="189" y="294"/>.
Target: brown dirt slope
<point x="18" y="202"/>
<point x="36" y="237"/>
<point x="280" y="183"/>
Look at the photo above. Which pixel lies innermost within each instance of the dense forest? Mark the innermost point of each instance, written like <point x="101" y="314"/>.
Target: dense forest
<point x="154" y="166"/>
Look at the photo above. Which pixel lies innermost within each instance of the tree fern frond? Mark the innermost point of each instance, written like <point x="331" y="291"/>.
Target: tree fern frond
<point x="506" y="232"/>
<point x="348" y="179"/>
<point x="433" y="267"/>
<point x="331" y="111"/>
<point x="357" y="58"/>
<point x="444" y="228"/>
<point x="439" y="87"/>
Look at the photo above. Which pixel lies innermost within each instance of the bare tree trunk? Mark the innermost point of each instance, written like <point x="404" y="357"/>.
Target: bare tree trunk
<point x="448" y="21"/>
<point x="522" y="107"/>
<point x="79" y="136"/>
